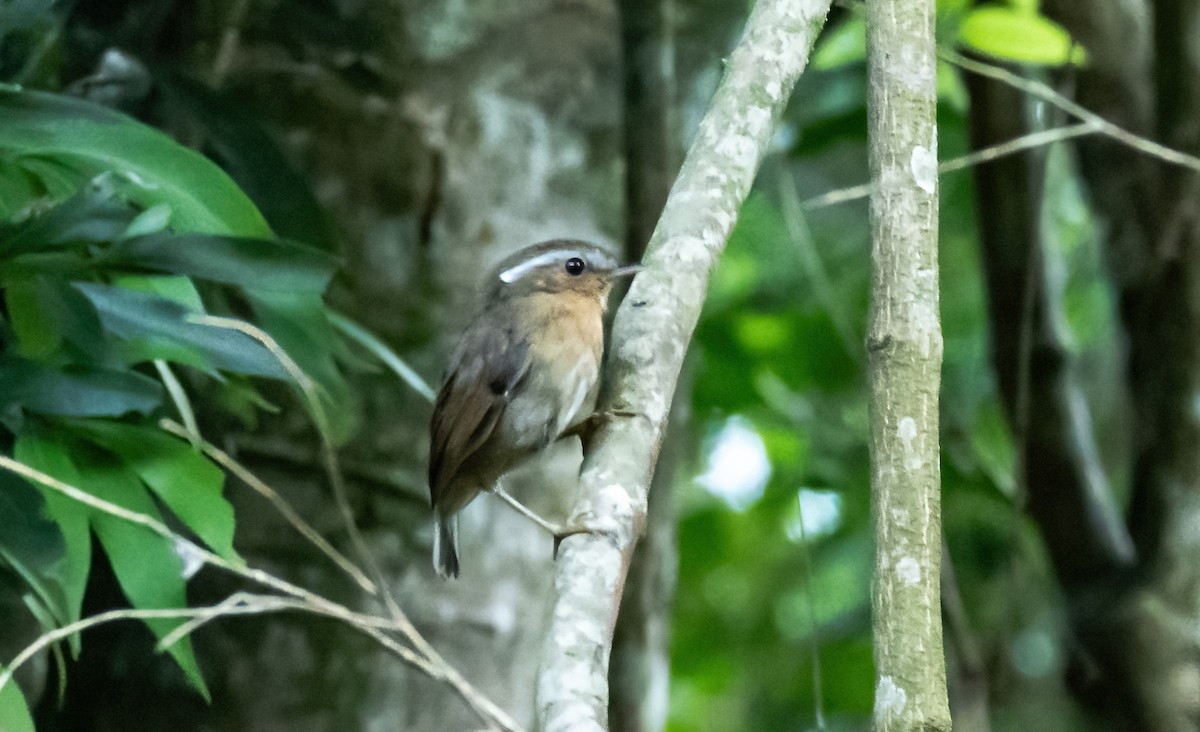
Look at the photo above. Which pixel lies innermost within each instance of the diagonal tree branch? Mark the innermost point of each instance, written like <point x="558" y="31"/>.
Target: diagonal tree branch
<point x="650" y="337"/>
<point x="639" y="668"/>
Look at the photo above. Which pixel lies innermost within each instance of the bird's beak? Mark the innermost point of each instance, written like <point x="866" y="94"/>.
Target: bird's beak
<point x="629" y="269"/>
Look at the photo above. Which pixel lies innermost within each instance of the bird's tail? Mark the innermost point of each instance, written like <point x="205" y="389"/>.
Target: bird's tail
<point x="445" y="544"/>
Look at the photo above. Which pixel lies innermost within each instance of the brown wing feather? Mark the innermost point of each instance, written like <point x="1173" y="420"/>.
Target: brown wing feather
<point x="488" y="364"/>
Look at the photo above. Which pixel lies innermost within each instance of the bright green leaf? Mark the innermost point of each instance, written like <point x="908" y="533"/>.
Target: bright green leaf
<point x="149" y="166"/>
<point x="179" y="475"/>
<point x="1014" y="35"/>
<point x="760" y="333"/>
<point x="234" y="136"/>
<point x="14" y="712"/>
<point x="146" y="565"/>
<point x="150" y="221"/>
<point x="845" y="44"/>
<point x="175" y="288"/>
<point x="71" y="516"/>
<point x="45" y="311"/>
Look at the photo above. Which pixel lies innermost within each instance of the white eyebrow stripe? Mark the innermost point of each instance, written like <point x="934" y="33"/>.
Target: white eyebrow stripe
<point x="517" y="271"/>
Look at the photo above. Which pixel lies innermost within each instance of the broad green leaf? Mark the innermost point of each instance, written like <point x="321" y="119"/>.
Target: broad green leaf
<point x="30" y="543"/>
<point x="14" y="712"/>
<point x="27" y="313"/>
<point x="45" y="311"/>
<point x="150" y="167"/>
<point x="176" y="288"/>
<point x="75" y="391"/>
<point x="18" y="187"/>
<point x="51" y="177"/>
<point x="236" y="139"/>
<point x="146" y="565"/>
<point x="71" y="516"/>
<point x="179" y="475"/>
<point x="1021" y="36"/>
<point x="263" y="264"/>
<point x="153" y="327"/>
<point x="90" y="216"/>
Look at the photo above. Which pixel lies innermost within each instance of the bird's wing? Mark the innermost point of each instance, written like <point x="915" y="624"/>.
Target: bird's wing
<point x="488" y="364"/>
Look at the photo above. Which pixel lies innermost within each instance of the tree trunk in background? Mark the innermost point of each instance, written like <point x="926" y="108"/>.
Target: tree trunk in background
<point x="1061" y="479"/>
<point x="639" y="670"/>
<point x="1144" y="75"/>
<point x="904" y="345"/>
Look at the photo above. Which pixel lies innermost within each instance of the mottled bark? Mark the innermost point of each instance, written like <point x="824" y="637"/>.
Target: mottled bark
<point x="904" y="345"/>
<point x="650" y="336"/>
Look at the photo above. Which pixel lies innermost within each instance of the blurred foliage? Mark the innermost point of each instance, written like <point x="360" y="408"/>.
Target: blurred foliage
<point x="116" y="243"/>
<point x="780" y="346"/>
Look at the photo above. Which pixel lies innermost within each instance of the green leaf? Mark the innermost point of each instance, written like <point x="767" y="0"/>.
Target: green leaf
<point x="27" y="313"/>
<point x="30" y="543"/>
<point x="151" y="221"/>
<point x="179" y="475"/>
<point x="149" y="166"/>
<point x="237" y="140"/>
<point x="1020" y="36"/>
<point x="176" y="288"/>
<point x="45" y="312"/>
<point x="299" y="324"/>
<point x="75" y="391"/>
<point x="146" y="565"/>
<point x="51" y="458"/>
<point x="90" y="216"/>
<point x="844" y="44"/>
<point x="154" y="327"/>
<point x="263" y="264"/>
<point x="14" y="712"/>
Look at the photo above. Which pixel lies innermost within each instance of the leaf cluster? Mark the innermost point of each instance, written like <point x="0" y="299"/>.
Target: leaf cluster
<point x="117" y="246"/>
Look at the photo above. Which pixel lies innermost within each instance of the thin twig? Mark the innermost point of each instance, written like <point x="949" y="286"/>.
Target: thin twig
<point x="312" y="602"/>
<point x="285" y="509"/>
<point x="231" y="37"/>
<point x="810" y="258"/>
<point x="1017" y="144"/>
<point x="265" y="604"/>
<point x="309" y="389"/>
<point x="183" y="405"/>
<point x="1048" y="94"/>
<point x="311" y="392"/>
<point x="806" y="552"/>
<point x="387" y="356"/>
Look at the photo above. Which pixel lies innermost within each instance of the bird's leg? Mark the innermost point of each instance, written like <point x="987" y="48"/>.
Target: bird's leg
<point x="558" y="531"/>
<point x="526" y="512"/>
<point x="588" y="427"/>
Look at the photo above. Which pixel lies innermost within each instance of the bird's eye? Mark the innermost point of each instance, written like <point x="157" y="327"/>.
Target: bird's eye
<point x="575" y="266"/>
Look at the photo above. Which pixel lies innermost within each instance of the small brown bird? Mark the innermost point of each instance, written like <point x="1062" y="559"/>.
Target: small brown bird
<point x="525" y="371"/>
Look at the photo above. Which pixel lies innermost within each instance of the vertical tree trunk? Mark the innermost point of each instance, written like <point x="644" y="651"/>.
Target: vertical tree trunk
<point x="1143" y="75"/>
<point x="904" y="346"/>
